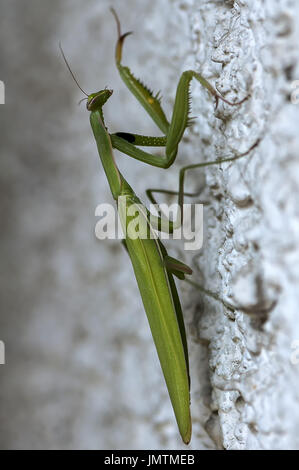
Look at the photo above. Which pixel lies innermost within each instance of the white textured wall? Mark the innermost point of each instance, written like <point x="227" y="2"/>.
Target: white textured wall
<point x="251" y="224"/>
<point x="81" y="368"/>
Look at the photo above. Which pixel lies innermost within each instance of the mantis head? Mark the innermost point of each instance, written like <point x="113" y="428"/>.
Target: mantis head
<point x="95" y="101"/>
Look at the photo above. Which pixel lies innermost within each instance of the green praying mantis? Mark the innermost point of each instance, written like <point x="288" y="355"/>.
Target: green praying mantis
<point x="154" y="269"/>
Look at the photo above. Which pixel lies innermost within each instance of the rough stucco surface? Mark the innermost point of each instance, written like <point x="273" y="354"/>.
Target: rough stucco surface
<point x="253" y="224"/>
<point x="81" y="370"/>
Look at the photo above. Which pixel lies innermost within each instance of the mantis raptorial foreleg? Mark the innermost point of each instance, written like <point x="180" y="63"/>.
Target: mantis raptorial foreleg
<point x="127" y="142"/>
<point x="173" y="130"/>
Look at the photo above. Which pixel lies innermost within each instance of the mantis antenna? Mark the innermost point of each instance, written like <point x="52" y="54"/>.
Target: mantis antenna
<point x="70" y="70"/>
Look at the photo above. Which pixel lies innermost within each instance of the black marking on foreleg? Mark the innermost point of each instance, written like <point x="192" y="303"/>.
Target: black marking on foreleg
<point x="126" y="136"/>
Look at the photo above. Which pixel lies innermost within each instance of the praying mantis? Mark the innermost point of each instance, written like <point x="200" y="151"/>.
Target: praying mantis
<point x="154" y="269"/>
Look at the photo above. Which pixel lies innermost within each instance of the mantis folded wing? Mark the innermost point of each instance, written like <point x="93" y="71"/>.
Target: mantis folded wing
<point x="155" y="282"/>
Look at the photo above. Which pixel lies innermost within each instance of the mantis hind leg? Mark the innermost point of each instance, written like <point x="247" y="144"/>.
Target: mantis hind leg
<point x="211" y="294"/>
<point x="176" y="267"/>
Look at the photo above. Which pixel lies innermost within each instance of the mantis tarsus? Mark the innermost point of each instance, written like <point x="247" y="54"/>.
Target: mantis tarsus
<point x="153" y="268"/>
